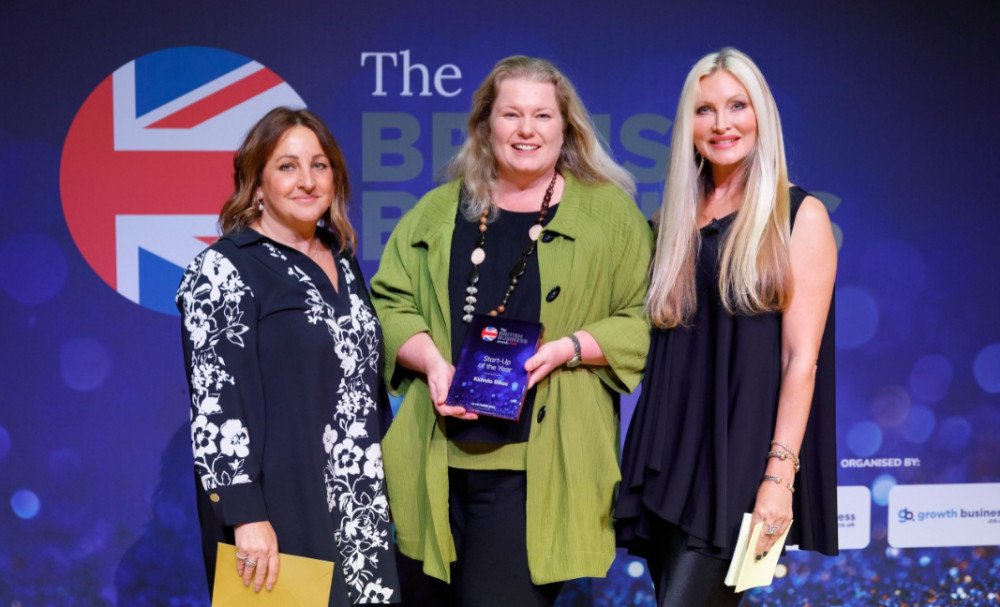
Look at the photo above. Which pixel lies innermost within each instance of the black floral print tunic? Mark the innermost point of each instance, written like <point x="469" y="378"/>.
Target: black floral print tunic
<point x="287" y="408"/>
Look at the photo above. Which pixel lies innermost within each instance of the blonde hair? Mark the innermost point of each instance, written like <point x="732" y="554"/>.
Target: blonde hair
<point x="240" y="210"/>
<point x="754" y="271"/>
<point x="582" y="154"/>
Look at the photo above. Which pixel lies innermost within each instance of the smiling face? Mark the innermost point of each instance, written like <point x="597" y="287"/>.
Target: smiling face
<point x="296" y="183"/>
<point x="526" y="130"/>
<point x="725" y="124"/>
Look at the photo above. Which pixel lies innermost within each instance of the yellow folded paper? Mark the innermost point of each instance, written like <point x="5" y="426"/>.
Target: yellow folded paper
<point x="744" y="570"/>
<point x="302" y="582"/>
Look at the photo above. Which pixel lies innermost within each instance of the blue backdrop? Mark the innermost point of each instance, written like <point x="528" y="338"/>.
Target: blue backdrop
<point x="117" y="123"/>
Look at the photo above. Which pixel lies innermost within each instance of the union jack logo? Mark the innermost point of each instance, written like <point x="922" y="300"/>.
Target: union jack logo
<point x="147" y="163"/>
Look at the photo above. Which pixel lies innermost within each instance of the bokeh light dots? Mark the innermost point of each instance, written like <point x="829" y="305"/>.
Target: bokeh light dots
<point x="25" y="504"/>
<point x="864" y="439"/>
<point x="986" y="368"/>
<point x="918" y="425"/>
<point x="636" y="569"/>
<point x="881" y="486"/>
<point x="891" y="406"/>
<point x="930" y="378"/>
<point x="84" y="363"/>
<point x="33" y="268"/>
<point x="857" y="317"/>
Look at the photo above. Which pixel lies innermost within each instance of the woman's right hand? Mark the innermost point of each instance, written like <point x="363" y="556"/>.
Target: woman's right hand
<point x="259" y="544"/>
<point x="420" y="354"/>
<point x="439" y="374"/>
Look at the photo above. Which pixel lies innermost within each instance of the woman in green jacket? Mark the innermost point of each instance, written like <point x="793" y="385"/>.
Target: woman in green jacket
<point x="536" y="226"/>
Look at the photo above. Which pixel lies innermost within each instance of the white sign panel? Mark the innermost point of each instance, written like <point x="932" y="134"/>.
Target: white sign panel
<point x="944" y="515"/>
<point x="854" y="517"/>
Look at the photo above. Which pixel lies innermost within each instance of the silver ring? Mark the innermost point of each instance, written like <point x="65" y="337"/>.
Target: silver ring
<point x="251" y="563"/>
<point x="773" y="529"/>
<point x="241" y="557"/>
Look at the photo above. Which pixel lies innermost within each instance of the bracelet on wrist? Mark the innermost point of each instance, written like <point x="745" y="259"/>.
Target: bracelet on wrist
<point x="777" y="479"/>
<point x="577" y="353"/>
<point x="787" y="449"/>
<point x="784" y="456"/>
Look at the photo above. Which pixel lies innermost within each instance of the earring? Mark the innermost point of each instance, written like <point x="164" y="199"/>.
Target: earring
<point x="260" y="203"/>
<point x="701" y="162"/>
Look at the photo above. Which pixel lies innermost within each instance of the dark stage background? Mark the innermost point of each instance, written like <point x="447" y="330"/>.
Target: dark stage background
<point x="107" y="182"/>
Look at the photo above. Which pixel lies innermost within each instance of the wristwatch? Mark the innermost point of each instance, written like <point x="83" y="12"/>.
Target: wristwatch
<point x="577" y="353"/>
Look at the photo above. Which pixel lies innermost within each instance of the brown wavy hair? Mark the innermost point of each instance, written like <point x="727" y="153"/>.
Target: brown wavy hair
<point x="240" y="211"/>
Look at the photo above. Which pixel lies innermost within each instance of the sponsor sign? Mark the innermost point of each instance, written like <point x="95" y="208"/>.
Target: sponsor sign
<point x="854" y="517"/>
<point x="944" y="515"/>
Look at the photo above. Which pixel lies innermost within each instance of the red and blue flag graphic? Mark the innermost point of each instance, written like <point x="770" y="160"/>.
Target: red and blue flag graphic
<point x="147" y="163"/>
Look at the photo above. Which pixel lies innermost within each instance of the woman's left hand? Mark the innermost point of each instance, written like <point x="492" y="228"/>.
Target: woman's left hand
<point x="559" y="352"/>
<point x="549" y="356"/>
<point x="774" y="508"/>
<point x="257" y="554"/>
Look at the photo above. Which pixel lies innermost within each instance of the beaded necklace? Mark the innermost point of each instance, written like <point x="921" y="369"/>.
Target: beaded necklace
<point x="516" y="270"/>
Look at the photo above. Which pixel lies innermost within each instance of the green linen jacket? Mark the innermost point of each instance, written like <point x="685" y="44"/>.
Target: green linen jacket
<point x="598" y="257"/>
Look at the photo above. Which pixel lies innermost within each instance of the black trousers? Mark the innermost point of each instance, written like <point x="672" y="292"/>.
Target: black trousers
<point x="488" y="522"/>
<point x="683" y="578"/>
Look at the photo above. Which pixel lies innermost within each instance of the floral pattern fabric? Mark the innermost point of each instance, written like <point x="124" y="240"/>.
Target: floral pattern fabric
<point x="211" y="293"/>
<point x="225" y="298"/>
<point x="355" y="489"/>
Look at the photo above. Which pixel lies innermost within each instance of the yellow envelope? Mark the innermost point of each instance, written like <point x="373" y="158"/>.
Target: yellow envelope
<point x="302" y="582"/>
<point x="744" y="570"/>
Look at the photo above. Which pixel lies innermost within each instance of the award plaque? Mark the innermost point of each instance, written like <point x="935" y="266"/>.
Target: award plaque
<point x="489" y="377"/>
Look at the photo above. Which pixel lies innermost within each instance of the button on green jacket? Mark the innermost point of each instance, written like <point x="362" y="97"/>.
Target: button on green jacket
<point x="599" y="258"/>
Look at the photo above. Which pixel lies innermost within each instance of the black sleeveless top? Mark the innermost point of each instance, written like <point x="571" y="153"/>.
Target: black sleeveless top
<point x="697" y="444"/>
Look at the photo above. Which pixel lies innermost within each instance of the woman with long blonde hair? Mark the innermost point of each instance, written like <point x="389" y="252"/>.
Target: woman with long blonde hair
<point x="537" y="225"/>
<point x="736" y="411"/>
